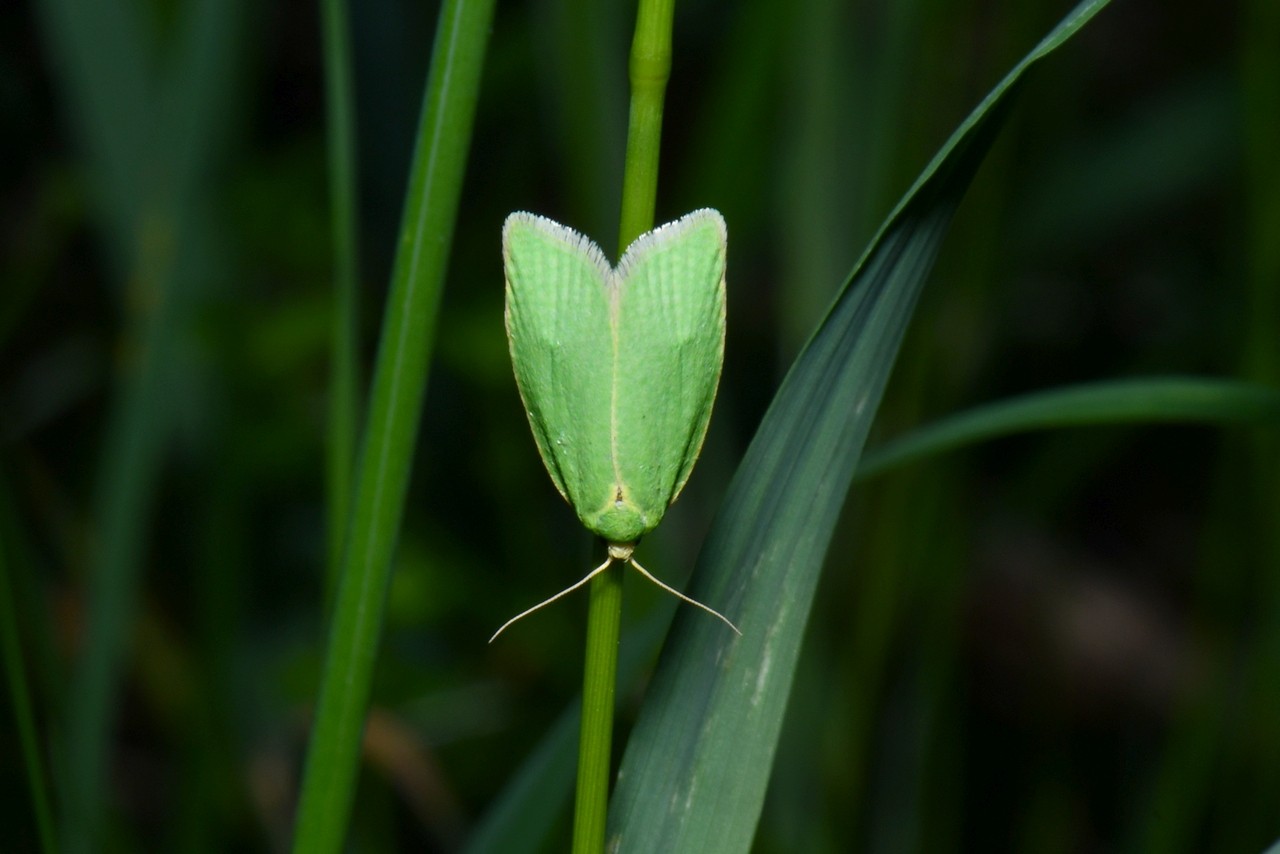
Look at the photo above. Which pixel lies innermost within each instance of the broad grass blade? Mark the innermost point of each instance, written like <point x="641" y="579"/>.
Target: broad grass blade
<point x="694" y="774"/>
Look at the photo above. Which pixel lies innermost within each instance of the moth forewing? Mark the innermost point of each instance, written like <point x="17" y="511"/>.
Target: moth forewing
<point x="671" y="348"/>
<point x="557" y="313"/>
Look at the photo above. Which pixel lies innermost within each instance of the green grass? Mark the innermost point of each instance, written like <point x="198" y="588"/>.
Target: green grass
<point x="230" y="530"/>
<point x="395" y="412"/>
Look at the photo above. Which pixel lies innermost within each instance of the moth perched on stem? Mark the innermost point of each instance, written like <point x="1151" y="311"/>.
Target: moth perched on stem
<point x="617" y="367"/>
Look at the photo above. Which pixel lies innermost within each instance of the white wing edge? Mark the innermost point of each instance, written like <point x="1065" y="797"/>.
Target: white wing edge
<point x="663" y="235"/>
<point x="576" y="241"/>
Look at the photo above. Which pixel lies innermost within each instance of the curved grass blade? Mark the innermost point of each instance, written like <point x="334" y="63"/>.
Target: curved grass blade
<point x="696" y="767"/>
<point x="1145" y="401"/>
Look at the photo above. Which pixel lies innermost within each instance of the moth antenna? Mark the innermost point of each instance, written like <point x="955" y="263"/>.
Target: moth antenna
<point x="712" y="611"/>
<point x="565" y="592"/>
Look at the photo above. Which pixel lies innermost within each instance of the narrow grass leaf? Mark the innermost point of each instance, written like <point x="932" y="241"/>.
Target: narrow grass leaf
<point x="1140" y="401"/>
<point x="694" y="774"/>
<point x="394" y="411"/>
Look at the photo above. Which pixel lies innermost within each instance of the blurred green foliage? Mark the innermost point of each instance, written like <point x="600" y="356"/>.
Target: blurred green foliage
<point x="1063" y="642"/>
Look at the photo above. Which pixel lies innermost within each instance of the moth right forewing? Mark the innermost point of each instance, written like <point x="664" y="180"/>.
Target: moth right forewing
<point x="672" y="322"/>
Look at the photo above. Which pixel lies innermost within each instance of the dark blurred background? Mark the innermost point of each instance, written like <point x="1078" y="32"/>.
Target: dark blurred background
<point x="1066" y="642"/>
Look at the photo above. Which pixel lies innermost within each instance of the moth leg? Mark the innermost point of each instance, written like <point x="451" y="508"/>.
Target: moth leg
<point x="712" y="611"/>
<point x="565" y="592"/>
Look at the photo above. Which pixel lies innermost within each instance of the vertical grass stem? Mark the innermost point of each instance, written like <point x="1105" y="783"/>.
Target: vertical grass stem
<point x="394" y="411"/>
<point x="649" y="68"/>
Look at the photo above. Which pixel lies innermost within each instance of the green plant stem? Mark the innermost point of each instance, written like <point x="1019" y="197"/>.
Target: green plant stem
<point x="600" y="671"/>
<point x="649" y="69"/>
<point x="344" y="388"/>
<point x="394" y="411"/>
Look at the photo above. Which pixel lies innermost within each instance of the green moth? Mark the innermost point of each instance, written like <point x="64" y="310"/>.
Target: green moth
<point x="617" y="367"/>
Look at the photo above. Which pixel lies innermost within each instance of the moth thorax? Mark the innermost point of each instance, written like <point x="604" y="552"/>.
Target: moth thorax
<point x="621" y="551"/>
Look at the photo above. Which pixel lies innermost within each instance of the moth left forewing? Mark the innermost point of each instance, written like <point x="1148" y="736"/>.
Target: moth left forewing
<point x="671" y="323"/>
<point x="557" y="318"/>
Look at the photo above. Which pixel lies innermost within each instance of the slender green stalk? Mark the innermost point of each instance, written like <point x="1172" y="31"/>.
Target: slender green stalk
<point x="344" y="390"/>
<point x="24" y="717"/>
<point x="600" y="670"/>
<point x="395" y="408"/>
<point x="650" y="68"/>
